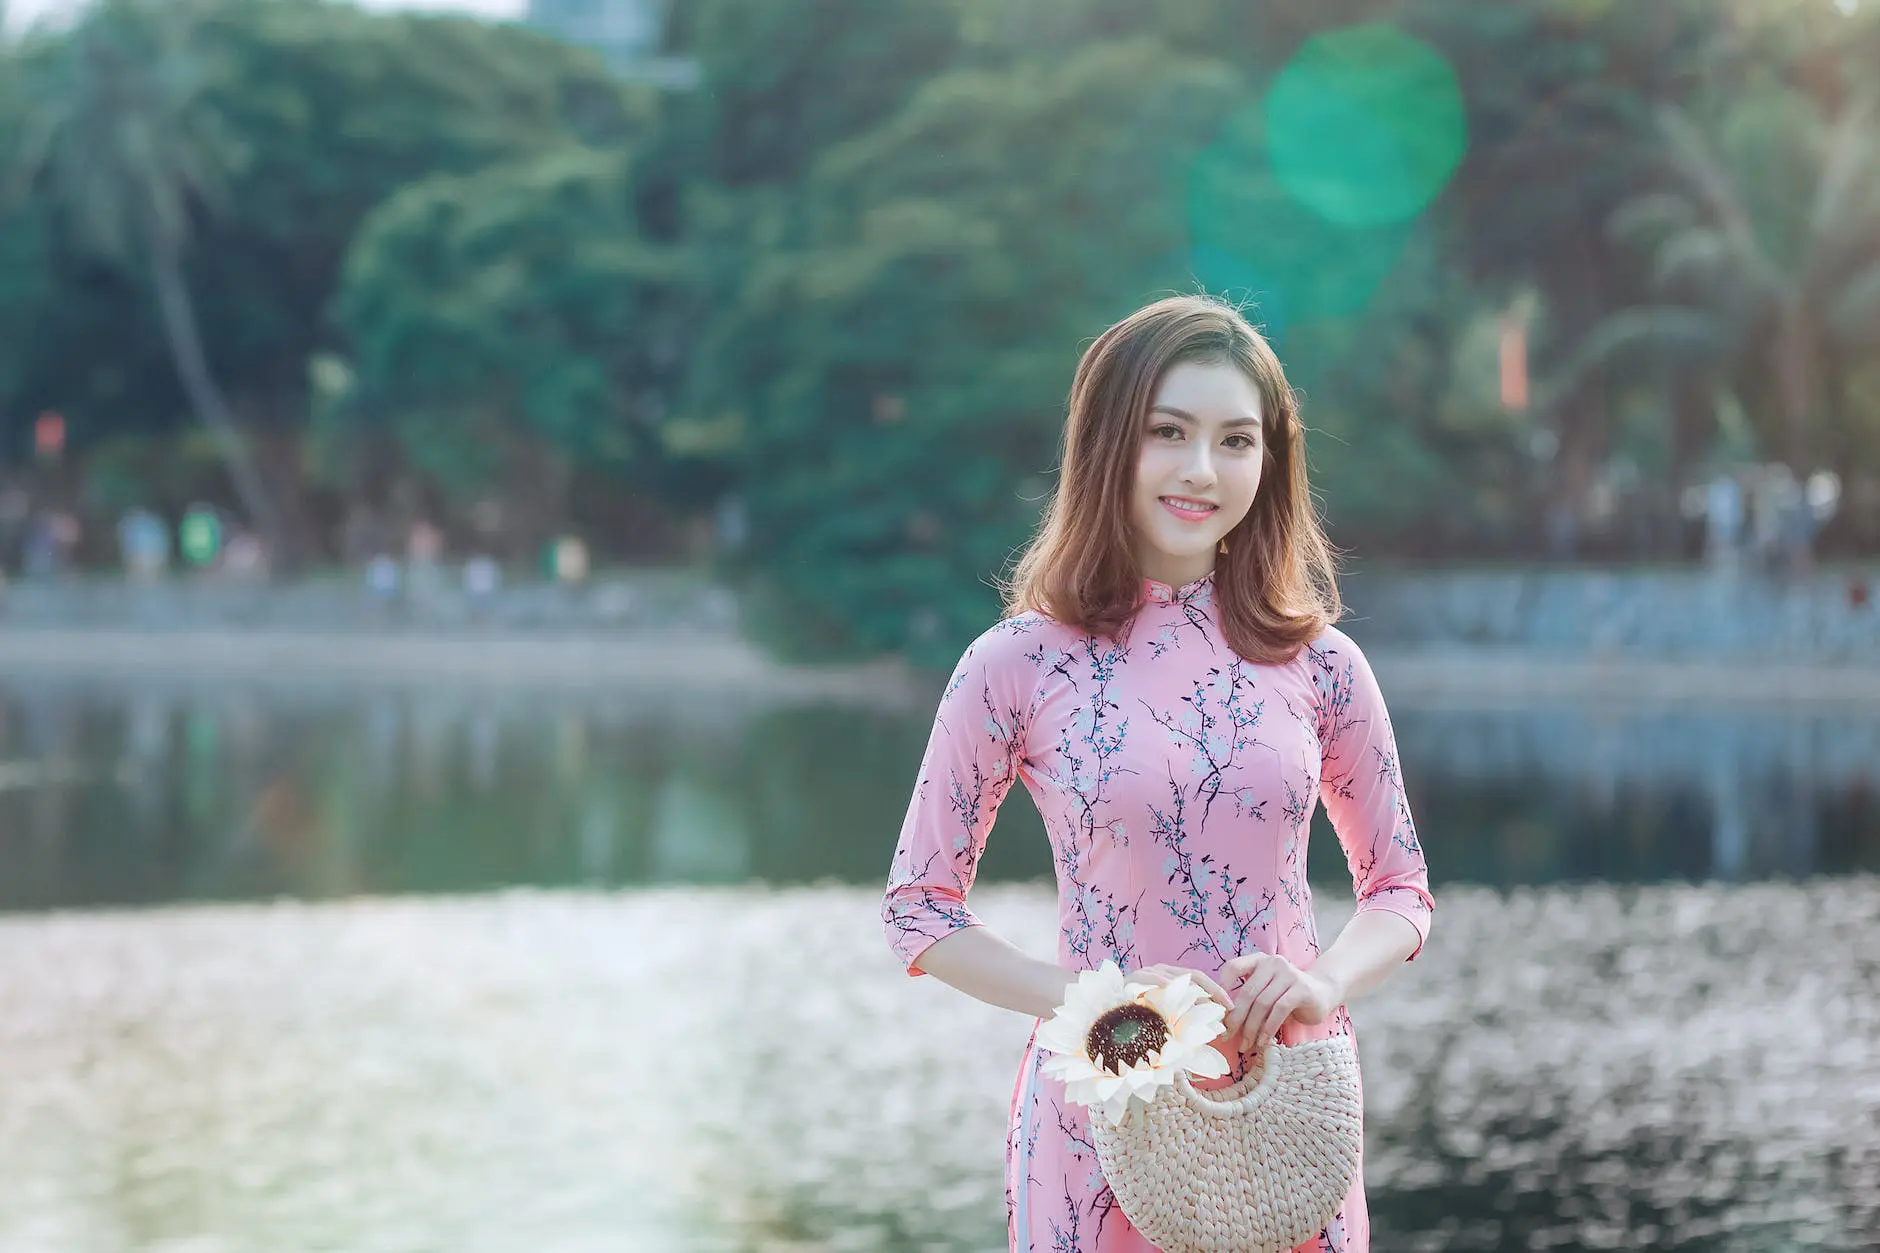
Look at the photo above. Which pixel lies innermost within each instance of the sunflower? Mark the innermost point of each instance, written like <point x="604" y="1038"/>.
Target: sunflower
<point x="1119" y="1042"/>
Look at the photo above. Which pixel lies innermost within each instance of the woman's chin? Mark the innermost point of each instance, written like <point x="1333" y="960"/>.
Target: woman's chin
<point x="1186" y="549"/>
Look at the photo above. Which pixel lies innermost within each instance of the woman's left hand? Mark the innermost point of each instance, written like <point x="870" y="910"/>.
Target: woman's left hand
<point x="1273" y="992"/>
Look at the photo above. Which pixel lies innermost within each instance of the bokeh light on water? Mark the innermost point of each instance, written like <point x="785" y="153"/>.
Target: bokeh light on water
<point x="713" y="1059"/>
<point x="733" y="1069"/>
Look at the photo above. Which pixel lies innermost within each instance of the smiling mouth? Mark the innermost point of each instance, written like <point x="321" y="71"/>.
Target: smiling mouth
<point x="1188" y="510"/>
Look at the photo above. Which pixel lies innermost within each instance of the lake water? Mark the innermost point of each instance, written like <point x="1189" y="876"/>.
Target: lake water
<point x="469" y="970"/>
<point x="158" y="795"/>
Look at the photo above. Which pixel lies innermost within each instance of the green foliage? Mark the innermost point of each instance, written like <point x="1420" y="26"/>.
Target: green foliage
<point x="1763" y="251"/>
<point x="1399" y="414"/>
<point x="321" y="112"/>
<point x="847" y="279"/>
<point x="116" y="129"/>
<point x="68" y="272"/>
<point x="782" y="82"/>
<point x="164" y="474"/>
<point x="515" y="299"/>
<point x="338" y="110"/>
<point x="115" y="134"/>
<point x="903" y="349"/>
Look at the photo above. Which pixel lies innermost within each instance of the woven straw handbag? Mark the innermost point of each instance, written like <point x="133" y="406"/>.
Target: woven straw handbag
<point x="1258" y="1167"/>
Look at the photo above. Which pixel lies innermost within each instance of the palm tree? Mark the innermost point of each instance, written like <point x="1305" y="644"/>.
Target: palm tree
<point x="119" y="135"/>
<point x="1767" y="264"/>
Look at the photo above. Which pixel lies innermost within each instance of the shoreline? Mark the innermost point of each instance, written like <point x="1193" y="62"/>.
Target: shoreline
<point x="644" y="663"/>
<point x="650" y="663"/>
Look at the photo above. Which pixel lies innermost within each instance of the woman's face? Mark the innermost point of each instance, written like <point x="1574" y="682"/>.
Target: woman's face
<point x="1198" y="470"/>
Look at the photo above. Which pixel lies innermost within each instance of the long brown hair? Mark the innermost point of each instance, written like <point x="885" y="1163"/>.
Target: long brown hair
<point x="1275" y="586"/>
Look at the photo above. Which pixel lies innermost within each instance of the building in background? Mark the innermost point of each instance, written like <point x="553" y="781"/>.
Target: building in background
<point x="629" y="35"/>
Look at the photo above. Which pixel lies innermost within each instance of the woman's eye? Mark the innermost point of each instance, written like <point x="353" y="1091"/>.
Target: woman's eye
<point x="1167" y="430"/>
<point x="1240" y="441"/>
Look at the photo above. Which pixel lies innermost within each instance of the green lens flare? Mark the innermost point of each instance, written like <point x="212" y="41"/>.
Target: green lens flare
<point x="1305" y="200"/>
<point x="1365" y="125"/>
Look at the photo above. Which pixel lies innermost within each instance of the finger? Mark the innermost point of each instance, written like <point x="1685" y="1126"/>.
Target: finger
<point x="1241" y="968"/>
<point x="1249" y="1002"/>
<point x="1250" y="1030"/>
<point x="1236" y="1020"/>
<point x="1262" y="1011"/>
<point x="1281" y="1011"/>
<point x="1214" y="990"/>
<point x="1231" y="1025"/>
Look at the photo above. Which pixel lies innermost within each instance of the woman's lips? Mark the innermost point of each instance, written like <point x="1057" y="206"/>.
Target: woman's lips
<point x="1187" y="510"/>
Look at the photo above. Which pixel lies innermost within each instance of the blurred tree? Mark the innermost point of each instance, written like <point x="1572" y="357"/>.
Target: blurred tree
<point x="517" y="308"/>
<point x="337" y="110"/>
<point x="340" y="109"/>
<point x="1764" y="245"/>
<point x="119" y="137"/>
<point x="901" y="351"/>
<point x="59" y="299"/>
<point x="857" y="263"/>
<point x="1410" y="448"/>
<point x="1560" y="94"/>
<point x="327" y="110"/>
<point x="783" y="82"/>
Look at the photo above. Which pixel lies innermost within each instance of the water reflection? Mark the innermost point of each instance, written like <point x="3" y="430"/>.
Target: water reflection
<point x="155" y="794"/>
<point x="710" y="1070"/>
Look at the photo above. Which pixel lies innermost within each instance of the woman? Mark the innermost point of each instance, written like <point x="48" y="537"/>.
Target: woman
<point x="1170" y="689"/>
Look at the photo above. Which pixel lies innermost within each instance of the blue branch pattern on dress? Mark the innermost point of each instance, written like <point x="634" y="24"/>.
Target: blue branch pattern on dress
<point x="1099" y="926"/>
<point x="1075" y="1130"/>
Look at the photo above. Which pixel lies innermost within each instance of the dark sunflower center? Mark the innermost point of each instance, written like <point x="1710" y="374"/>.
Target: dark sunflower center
<point x="1125" y="1036"/>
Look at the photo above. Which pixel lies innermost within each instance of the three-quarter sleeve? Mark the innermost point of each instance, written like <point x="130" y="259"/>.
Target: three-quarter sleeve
<point x="973" y="754"/>
<point x="1362" y="789"/>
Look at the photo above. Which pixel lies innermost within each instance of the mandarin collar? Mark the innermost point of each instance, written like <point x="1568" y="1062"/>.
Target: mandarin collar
<point x="1160" y="593"/>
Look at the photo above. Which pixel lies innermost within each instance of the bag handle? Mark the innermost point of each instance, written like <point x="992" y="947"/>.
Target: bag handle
<point x="1236" y="1102"/>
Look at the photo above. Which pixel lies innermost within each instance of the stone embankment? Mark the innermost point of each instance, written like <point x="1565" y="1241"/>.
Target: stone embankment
<point x="1476" y="638"/>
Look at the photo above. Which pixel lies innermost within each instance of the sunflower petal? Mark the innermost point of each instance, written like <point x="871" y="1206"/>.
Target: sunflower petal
<point x="1200" y="1025"/>
<point x="1063" y="1034"/>
<point x="1177" y="997"/>
<point x="1116" y="1107"/>
<point x="1133" y="991"/>
<point x="1083" y="1091"/>
<point x="1070" y="1068"/>
<point x="1093" y="992"/>
<point x="1204" y="1061"/>
<point x="1144" y="1080"/>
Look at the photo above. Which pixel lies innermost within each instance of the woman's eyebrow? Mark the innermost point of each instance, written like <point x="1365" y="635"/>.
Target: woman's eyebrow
<point x="1189" y="417"/>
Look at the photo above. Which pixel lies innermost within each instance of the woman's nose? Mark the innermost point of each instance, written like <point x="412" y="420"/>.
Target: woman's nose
<point x="1200" y="468"/>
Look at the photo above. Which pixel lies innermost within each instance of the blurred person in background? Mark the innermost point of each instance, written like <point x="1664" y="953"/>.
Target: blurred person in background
<point x="482" y="579"/>
<point x="245" y="559"/>
<point x="424" y="553"/>
<point x="1170" y="688"/>
<point x="51" y="539"/>
<point x="383" y="579"/>
<point x="143" y="544"/>
<point x="1723" y="517"/>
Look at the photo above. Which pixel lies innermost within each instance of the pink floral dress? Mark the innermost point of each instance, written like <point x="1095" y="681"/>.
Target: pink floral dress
<point x="1177" y="783"/>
